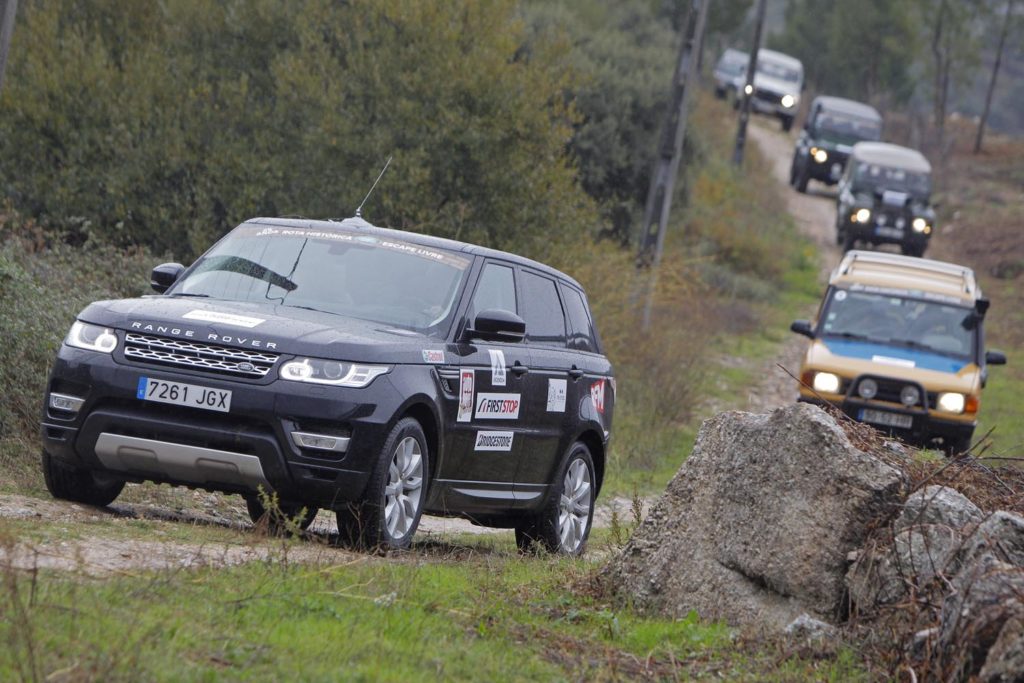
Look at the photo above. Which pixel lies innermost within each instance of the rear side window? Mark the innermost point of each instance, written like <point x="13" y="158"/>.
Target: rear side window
<point x="496" y="289"/>
<point x="545" y="321"/>
<point x="581" y="329"/>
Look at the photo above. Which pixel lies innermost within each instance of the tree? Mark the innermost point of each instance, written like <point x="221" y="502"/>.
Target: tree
<point x="1008" y="20"/>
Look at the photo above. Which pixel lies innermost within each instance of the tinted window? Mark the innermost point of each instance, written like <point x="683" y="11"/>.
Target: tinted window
<point x="581" y="331"/>
<point x="496" y="289"/>
<point x="545" y="322"/>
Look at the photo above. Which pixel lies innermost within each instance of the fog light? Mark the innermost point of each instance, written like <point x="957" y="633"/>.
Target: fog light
<point x="867" y="389"/>
<point x="863" y="215"/>
<point x="951" y="402"/>
<point x="826" y="383"/>
<point x="321" y="442"/>
<point x="71" y="404"/>
<point x="910" y="396"/>
<point x="820" y="155"/>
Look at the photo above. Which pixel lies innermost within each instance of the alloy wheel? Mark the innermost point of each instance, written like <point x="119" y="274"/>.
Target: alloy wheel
<point x="575" y="506"/>
<point x="404" y="489"/>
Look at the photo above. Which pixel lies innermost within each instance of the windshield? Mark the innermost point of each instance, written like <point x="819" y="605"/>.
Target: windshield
<point x="941" y="328"/>
<point x="874" y="177"/>
<point x="843" y="129"/>
<point x="347" y="273"/>
<point x="779" y="71"/>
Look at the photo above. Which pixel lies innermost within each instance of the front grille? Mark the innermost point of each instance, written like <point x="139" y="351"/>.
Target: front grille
<point x="767" y="96"/>
<point x="222" y="360"/>
<point x="889" y="390"/>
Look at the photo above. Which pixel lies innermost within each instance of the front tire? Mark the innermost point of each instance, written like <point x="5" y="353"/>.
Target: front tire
<point x="787" y="123"/>
<point x="801" y="182"/>
<point x="390" y="511"/>
<point x="563" y="526"/>
<point x="78" y="485"/>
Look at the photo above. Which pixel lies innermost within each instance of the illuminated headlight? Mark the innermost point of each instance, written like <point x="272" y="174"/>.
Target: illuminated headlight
<point x="820" y="155"/>
<point x="826" y="383"/>
<point x="862" y="215"/>
<point x="920" y="225"/>
<point x="748" y="89"/>
<point x="336" y="373"/>
<point x="91" y="337"/>
<point x="788" y="101"/>
<point x="951" y="402"/>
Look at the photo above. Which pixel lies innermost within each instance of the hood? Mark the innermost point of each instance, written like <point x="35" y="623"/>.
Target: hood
<point x="776" y="85"/>
<point x="264" y="326"/>
<point x="936" y="372"/>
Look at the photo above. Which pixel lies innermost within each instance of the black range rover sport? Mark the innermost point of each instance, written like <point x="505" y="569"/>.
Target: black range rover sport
<point x="337" y="365"/>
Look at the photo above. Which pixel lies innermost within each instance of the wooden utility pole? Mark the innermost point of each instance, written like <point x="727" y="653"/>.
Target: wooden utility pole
<point x="8" y="10"/>
<point x="995" y="74"/>
<point x="670" y="151"/>
<point x="741" y="131"/>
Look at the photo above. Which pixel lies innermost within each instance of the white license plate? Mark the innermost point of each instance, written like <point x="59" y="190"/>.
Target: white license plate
<point x="881" y="417"/>
<point x="181" y="394"/>
<point x="889" y="232"/>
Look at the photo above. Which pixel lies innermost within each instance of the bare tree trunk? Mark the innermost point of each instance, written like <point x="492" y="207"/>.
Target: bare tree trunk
<point x="995" y="75"/>
<point x="941" y="67"/>
<point x="8" y="10"/>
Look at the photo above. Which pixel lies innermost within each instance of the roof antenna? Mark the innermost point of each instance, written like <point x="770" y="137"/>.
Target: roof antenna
<point x="359" y="209"/>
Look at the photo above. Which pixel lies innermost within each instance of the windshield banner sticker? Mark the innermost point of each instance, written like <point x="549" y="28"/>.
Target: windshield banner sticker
<point x="225" y="318"/>
<point x="497" y="367"/>
<point x="434" y="357"/>
<point x="556" y="395"/>
<point x="888" y="360"/>
<point x="465" y="396"/>
<point x="497" y="406"/>
<point x="493" y="441"/>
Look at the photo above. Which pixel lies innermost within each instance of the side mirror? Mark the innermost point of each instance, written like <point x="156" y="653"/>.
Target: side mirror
<point x="495" y="324"/>
<point x="981" y="306"/>
<point x="802" y="327"/>
<point x="994" y="357"/>
<point x="165" y="275"/>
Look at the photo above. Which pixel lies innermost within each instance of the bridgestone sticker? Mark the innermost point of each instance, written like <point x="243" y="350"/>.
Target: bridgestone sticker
<point x="556" y="395"/>
<point x="493" y="441"/>
<point x="497" y="406"/>
<point x="465" y="396"/>
<point x="224" y="318"/>
<point x="497" y="367"/>
<point x="436" y="357"/>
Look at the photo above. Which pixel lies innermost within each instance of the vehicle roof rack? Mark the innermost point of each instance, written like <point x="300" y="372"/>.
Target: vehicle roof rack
<point x="961" y="277"/>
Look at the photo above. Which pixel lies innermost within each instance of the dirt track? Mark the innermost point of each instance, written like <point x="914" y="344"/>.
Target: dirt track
<point x="110" y="550"/>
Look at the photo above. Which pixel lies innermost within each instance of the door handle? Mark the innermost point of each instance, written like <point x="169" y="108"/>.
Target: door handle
<point x="575" y="373"/>
<point x="519" y="369"/>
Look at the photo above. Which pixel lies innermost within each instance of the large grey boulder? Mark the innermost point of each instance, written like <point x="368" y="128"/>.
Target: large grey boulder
<point x="756" y="526"/>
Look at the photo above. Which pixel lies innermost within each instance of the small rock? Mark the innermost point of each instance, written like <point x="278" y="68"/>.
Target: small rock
<point x="806" y="626"/>
<point x="938" y="505"/>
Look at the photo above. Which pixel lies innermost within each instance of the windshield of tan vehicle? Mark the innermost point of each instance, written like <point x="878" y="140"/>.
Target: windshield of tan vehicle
<point x="364" y="276"/>
<point x="933" y="326"/>
<point x="877" y="178"/>
<point x="843" y="129"/>
<point x="773" y="70"/>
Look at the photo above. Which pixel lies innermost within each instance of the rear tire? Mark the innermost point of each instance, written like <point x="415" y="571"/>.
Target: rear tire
<point x="278" y="520"/>
<point x="79" y="485"/>
<point x="390" y="511"/>
<point x="563" y="526"/>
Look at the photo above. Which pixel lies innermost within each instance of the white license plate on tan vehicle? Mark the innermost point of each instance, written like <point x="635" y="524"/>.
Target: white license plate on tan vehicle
<point x="181" y="394"/>
<point x="881" y="417"/>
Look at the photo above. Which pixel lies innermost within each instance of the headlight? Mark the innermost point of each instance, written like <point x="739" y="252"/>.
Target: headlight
<point x="867" y="389"/>
<point x="826" y="383"/>
<point x="91" y="337"/>
<point x="788" y="101"/>
<point x="863" y="215"/>
<point x="820" y="155"/>
<point x="748" y="89"/>
<point x="920" y="225"/>
<point x="336" y="373"/>
<point x="951" y="402"/>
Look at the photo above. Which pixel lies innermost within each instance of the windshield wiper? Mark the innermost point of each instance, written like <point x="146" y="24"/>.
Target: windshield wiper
<point x="195" y="294"/>
<point x="243" y="266"/>
<point x="853" y="335"/>
<point x="914" y="344"/>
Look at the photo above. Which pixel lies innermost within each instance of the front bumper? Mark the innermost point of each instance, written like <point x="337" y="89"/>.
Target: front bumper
<point x="828" y="171"/>
<point x="235" y="452"/>
<point x="891" y="231"/>
<point x="924" y="427"/>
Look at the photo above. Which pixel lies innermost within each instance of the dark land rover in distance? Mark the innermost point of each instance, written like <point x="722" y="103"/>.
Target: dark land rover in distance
<point x="376" y="373"/>
<point x="833" y="126"/>
<point x="884" y="198"/>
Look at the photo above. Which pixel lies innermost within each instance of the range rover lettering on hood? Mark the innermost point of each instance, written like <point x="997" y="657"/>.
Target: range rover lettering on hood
<point x="209" y="336"/>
